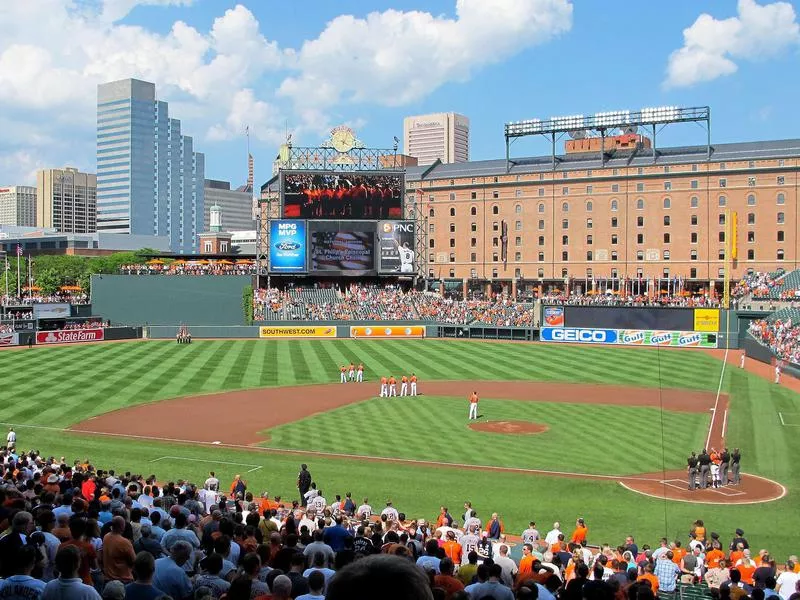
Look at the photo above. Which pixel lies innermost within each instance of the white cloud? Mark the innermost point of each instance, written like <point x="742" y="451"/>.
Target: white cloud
<point x="19" y="167"/>
<point x="712" y="48"/>
<point x="395" y="57"/>
<point x="246" y="110"/>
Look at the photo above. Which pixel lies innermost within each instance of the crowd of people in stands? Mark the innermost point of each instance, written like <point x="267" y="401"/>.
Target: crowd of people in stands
<point x="614" y="299"/>
<point x="34" y="298"/>
<point x="88" y="324"/>
<point x="220" y="267"/>
<point x="758" y="284"/>
<point x="76" y="532"/>
<point x="781" y="336"/>
<point x="18" y="315"/>
<point x="6" y="328"/>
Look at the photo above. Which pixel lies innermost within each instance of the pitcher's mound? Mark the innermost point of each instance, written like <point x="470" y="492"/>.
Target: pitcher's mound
<point x="509" y="427"/>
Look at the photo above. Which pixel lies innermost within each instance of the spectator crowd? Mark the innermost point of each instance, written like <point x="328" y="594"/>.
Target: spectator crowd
<point x="76" y="532"/>
<point x="35" y="298"/>
<point x="782" y="336"/>
<point x="200" y="267"/>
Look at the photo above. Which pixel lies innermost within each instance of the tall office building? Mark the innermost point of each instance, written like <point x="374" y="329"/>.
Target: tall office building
<point x="66" y="200"/>
<point x="443" y="136"/>
<point x="18" y="205"/>
<point x="149" y="178"/>
<point x="236" y="205"/>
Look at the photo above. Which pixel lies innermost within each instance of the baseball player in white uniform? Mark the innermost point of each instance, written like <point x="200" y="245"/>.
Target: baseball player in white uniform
<point x="406" y="258"/>
<point x="392" y="386"/>
<point x="343" y="375"/>
<point x="384" y="387"/>
<point x="351" y="375"/>
<point x="777" y="372"/>
<point x="413" y="384"/>
<point x="360" y="374"/>
<point x="404" y="386"/>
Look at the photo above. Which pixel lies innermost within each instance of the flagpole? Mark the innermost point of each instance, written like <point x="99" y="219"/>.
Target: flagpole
<point x="30" y="278"/>
<point x="8" y="268"/>
<point x="19" y="291"/>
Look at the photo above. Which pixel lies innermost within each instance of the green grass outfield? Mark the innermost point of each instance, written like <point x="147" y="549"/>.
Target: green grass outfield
<point x="57" y="386"/>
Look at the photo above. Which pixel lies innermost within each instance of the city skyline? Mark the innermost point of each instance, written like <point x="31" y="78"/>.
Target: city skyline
<point x="225" y="65"/>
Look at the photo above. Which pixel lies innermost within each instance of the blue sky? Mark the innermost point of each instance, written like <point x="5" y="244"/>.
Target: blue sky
<point x="223" y="65"/>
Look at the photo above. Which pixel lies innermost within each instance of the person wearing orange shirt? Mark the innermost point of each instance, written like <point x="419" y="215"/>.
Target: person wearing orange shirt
<point x="360" y="373"/>
<point x="700" y="530"/>
<point x="736" y="555"/>
<point x="649" y="576"/>
<point x="580" y="532"/>
<point x="452" y="548"/>
<point x="413" y="384"/>
<point x="404" y="386"/>
<point x="392" y="386"/>
<point x="678" y="552"/>
<point x="526" y="563"/>
<point x="384" y="387"/>
<point x="351" y="372"/>
<point x="713" y="557"/>
<point x="342" y="374"/>
<point x="746" y="567"/>
<point x="473" y="406"/>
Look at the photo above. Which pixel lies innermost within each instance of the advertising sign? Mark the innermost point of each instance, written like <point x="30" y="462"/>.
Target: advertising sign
<point x="275" y="332"/>
<point x="346" y="195"/>
<point x="70" y="336"/>
<point x="9" y="339"/>
<point x="287" y="246"/>
<point x="554" y="316"/>
<point x="682" y="339"/>
<point x="396" y="247"/>
<point x="706" y="319"/>
<point x="578" y="335"/>
<point x="389" y="331"/>
<point x="342" y="251"/>
<point x="51" y="311"/>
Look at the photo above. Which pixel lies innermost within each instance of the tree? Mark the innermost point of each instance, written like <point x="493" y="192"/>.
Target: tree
<point x="49" y="281"/>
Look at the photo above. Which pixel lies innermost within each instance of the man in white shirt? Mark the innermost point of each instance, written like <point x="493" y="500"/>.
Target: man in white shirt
<point x="552" y="535"/>
<point x="531" y="534"/>
<point x="508" y="565"/>
<point x="318" y="503"/>
<point x="787" y="581"/>
<point x="308" y="521"/>
<point x="364" y="511"/>
<point x="212" y="483"/>
<point x="11" y="439"/>
<point x="390" y="512"/>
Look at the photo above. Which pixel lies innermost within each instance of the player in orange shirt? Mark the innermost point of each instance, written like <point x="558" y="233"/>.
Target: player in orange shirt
<point x="384" y="387"/>
<point x="351" y="374"/>
<point x="342" y="374"/>
<point x="579" y="535"/>
<point x="413" y="384"/>
<point x="473" y="406"/>
<point x="392" y="386"/>
<point x="404" y="386"/>
<point x="360" y="373"/>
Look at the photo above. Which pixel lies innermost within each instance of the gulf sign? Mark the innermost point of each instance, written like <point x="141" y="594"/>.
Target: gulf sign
<point x="70" y="336"/>
<point x="387" y="332"/>
<point x="578" y="335"/>
<point x="634" y="337"/>
<point x="661" y="338"/>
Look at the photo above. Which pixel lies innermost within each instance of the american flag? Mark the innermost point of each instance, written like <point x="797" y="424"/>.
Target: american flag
<point x="19" y="250"/>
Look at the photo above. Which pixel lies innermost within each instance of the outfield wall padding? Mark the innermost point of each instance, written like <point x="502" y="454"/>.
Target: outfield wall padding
<point x="169" y="300"/>
<point x="204" y="331"/>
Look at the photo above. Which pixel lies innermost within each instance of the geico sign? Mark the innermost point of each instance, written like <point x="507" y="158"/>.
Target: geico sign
<point x="590" y="336"/>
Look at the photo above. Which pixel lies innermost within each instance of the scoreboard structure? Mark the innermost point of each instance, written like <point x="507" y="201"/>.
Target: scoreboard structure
<point x="326" y="217"/>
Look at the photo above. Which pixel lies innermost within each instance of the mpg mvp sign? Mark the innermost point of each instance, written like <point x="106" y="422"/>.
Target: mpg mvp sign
<point x="287" y="246"/>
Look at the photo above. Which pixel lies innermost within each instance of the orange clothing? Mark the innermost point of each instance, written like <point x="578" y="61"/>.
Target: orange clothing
<point x="453" y="549"/>
<point x="118" y="557"/>
<point x="677" y="555"/>
<point x="343" y="369"/>
<point x="797" y="568"/>
<point x="473" y="399"/>
<point x="713" y="557"/>
<point x="652" y="579"/>
<point x="404" y="379"/>
<point x="413" y="379"/>
<point x="392" y="380"/>
<point x="449" y="584"/>
<point x="579" y="535"/>
<point x="360" y="367"/>
<point x="747" y="572"/>
<point x="736" y="555"/>
<point x="383" y="380"/>
<point x="700" y="533"/>
<point x="525" y="567"/>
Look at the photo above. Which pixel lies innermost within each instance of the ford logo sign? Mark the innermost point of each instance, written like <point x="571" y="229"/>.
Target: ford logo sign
<point x="288" y="246"/>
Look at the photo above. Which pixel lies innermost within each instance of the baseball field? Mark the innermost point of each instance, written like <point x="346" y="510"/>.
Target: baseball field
<point x="564" y="431"/>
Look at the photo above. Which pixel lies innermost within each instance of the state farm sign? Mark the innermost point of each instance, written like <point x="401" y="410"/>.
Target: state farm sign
<point x="70" y="336"/>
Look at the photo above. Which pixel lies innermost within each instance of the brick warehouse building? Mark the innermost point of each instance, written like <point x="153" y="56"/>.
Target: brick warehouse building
<point x="630" y="217"/>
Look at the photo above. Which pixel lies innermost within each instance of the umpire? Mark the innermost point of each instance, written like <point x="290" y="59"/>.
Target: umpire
<point x="692" y="468"/>
<point x="736" y="457"/>
<point x="724" y="463"/>
<point x="705" y="465"/>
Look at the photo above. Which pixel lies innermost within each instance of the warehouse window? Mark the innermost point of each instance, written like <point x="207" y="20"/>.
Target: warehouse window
<point x="667" y="238"/>
<point x="693" y="237"/>
<point x="589" y="240"/>
<point x="614" y="255"/>
<point x="495" y="209"/>
<point x="473" y="257"/>
<point x="721" y="217"/>
<point x="518" y="226"/>
<point x="452" y="227"/>
<point x="473" y="210"/>
<point x="640" y="221"/>
<point x="565" y="256"/>
<point x="452" y="211"/>
<point x="518" y="241"/>
<point x="541" y="207"/>
<point x="589" y="206"/>
<point x="722" y="201"/>
<point x="721" y="236"/>
<point x="589" y="255"/>
<point x="431" y="228"/>
<point x="640" y="204"/>
<point x="667" y="220"/>
<point x="495" y="194"/>
<point x="473" y="195"/>
<point x="751" y="218"/>
<point x="640" y="238"/>
<point x="473" y="242"/>
<point x="564" y="240"/>
<point x="614" y="188"/>
<point x="431" y="213"/>
<point x="452" y="242"/>
<point x="588" y="223"/>
<point x="474" y="227"/>
<point x="565" y="207"/>
<point x="693" y="255"/>
<point x="541" y="240"/>
<point x="432" y="243"/>
<point x="540" y="273"/>
<point x="452" y="258"/>
<point x="495" y="226"/>
<point x="639" y="255"/>
<point x="541" y="224"/>
<point x="751" y="237"/>
<point x="751" y="254"/>
<point x="694" y="220"/>
<point x="751" y="200"/>
<point x="614" y="205"/>
<point x="614" y="239"/>
<point x="565" y="224"/>
<point x="692" y="273"/>
<point x="452" y="196"/>
<point x="541" y="256"/>
<point x="667" y="203"/>
<point x="781" y="218"/>
<point x="614" y="222"/>
<point x="721" y="254"/>
<point x="694" y="202"/>
<point x="781" y="199"/>
<point x="779" y="255"/>
<point x="518" y="208"/>
<point x="666" y="254"/>
<point x="541" y="192"/>
<point x="780" y="235"/>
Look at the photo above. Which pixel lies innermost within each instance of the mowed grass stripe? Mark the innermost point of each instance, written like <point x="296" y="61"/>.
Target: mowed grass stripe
<point x="238" y="366"/>
<point x="304" y="353"/>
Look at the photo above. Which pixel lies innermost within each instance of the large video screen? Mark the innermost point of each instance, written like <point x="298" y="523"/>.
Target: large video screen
<point x="396" y="247"/>
<point x="346" y="248"/>
<point x="355" y="195"/>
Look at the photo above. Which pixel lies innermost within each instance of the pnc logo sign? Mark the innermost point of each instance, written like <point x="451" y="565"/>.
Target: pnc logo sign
<point x="401" y="227"/>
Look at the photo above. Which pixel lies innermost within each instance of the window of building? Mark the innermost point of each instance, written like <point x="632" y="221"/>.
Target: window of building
<point x="495" y="242"/>
<point x="751" y="237"/>
<point x="589" y="206"/>
<point x="721" y="218"/>
<point x="541" y="257"/>
<point x="540" y="273"/>
<point x="693" y="237"/>
<point x="667" y="185"/>
<point x="694" y="184"/>
<point x="495" y="226"/>
<point x="431" y="228"/>
<point x="640" y="238"/>
<point x="751" y="182"/>
<point x="589" y="189"/>
<point x="640" y="187"/>
<point x="564" y="240"/>
<point x="780" y="180"/>
<point x="721" y="254"/>
<point x="751" y="218"/>
<point x="614" y="222"/>
<point x="751" y="200"/>
<point x="452" y="211"/>
<point x="639" y="272"/>
<point x="517" y="225"/>
<point x="473" y="257"/>
<point x="693" y="255"/>
<point x="780" y="235"/>
<point x="473" y="227"/>
<point x="640" y="221"/>
<point x="518" y="209"/>
<point x="588" y="240"/>
<point x="494" y="257"/>
<point x="518" y="241"/>
<point x="781" y="199"/>
<point x="541" y="191"/>
<point x="565" y="191"/>
<point x="614" y="255"/>
<point x="565" y="174"/>
<point x="518" y="192"/>
<point x="589" y="255"/>
<point x="452" y="227"/>
<point x="565" y="224"/>
<point x="207" y="246"/>
<point x="452" y="242"/>
<point x="541" y="223"/>
<point x="564" y="273"/>
<point x="781" y="218"/>
<point x="473" y="195"/>
<point x="452" y="259"/>
<point x="496" y="179"/>
<point x="779" y="254"/>
<point x="722" y="166"/>
<point x="430" y="257"/>
<point x="781" y="162"/>
<point x="751" y="254"/>
<point x="667" y="238"/>
<point x="473" y="210"/>
<point x="614" y="205"/>
<point x="589" y="223"/>
<point x="694" y="202"/>
<point x="452" y="196"/>
<point x="541" y="240"/>
<point x="565" y="207"/>
<point x="667" y="221"/>
<point x="517" y="258"/>
<point x="667" y="203"/>
<point x="721" y="236"/>
<point x="640" y="204"/>
<point x="565" y="256"/>
<point x="639" y="255"/>
<point x="431" y="243"/>
<point x="614" y="239"/>
<point x="614" y="188"/>
<point x="723" y="183"/>
<point x="473" y="242"/>
<point x="431" y="213"/>
<point x="693" y="219"/>
<point x="495" y="209"/>
<point x="722" y="201"/>
<point x="540" y="208"/>
<point x="693" y="273"/>
<point x="666" y="254"/>
<point x="495" y="194"/>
